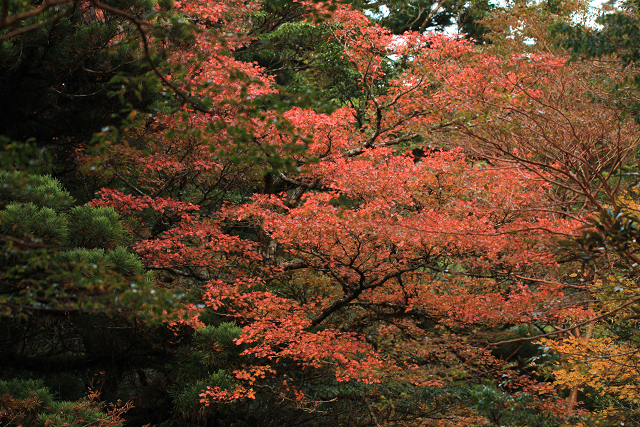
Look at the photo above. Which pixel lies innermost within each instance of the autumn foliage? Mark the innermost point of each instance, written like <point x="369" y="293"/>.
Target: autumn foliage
<point x="434" y="230"/>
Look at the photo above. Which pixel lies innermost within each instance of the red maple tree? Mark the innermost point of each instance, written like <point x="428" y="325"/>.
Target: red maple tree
<point x="370" y="264"/>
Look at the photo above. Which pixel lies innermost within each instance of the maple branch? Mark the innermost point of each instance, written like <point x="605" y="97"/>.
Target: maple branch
<point x="420" y="12"/>
<point x="570" y="329"/>
<point x="430" y="15"/>
<point x="338" y="304"/>
<point x="357" y="151"/>
<point x="587" y="157"/>
<point x="535" y="166"/>
<point x="497" y="233"/>
<point x="588" y="358"/>
<point x="397" y="310"/>
<point x="405" y="92"/>
<point x="190" y="275"/>
<point x="130" y="185"/>
<point x="550" y="282"/>
<point x="295" y="197"/>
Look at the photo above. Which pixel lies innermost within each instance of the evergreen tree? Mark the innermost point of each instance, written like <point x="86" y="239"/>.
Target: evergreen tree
<point x="75" y="304"/>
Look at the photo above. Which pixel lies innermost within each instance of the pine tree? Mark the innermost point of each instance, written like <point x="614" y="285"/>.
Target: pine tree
<point x="76" y="307"/>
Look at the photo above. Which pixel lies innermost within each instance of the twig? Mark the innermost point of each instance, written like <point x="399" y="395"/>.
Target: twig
<point x="561" y="331"/>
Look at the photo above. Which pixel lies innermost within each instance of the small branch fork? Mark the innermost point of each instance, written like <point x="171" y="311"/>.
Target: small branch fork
<point x="572" y="328"/>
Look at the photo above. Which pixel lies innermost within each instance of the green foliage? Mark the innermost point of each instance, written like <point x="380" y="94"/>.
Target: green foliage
<point x="509" y="409"/>
<point x="71" y="292"/>
<point x="123" y="262"/>
<point x="42" y="190"/>
<point x="308" y="67"/>
<point x="206" y="363"/>
<point x="138" y="6"/>
<point x="95" y="227"/>
<point x="166" y="4"/>
<point x="22" y="389"/>
<point x="19" y="219"/>
<point x="422" y="15"/>
<point x="28" y="403"/>
<point x="25" y="155"/>
<point x="212" y="348"/>
<point x="73" y="295"/>
<point x="187" y="397"/>
<point x="54" y="255"/>
<point x="617" y="35"/>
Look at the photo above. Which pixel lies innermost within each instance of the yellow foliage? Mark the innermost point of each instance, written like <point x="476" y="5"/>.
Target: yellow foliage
<point x="608" y="368"/>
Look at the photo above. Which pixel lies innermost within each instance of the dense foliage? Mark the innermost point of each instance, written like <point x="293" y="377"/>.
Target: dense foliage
<point x="280" y="213"/>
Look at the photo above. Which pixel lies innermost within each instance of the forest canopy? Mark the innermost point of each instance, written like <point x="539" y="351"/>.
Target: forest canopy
<point x="298" y="213"/>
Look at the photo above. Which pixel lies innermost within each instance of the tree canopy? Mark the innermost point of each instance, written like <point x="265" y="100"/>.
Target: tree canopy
<point x="278" y="213"/>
